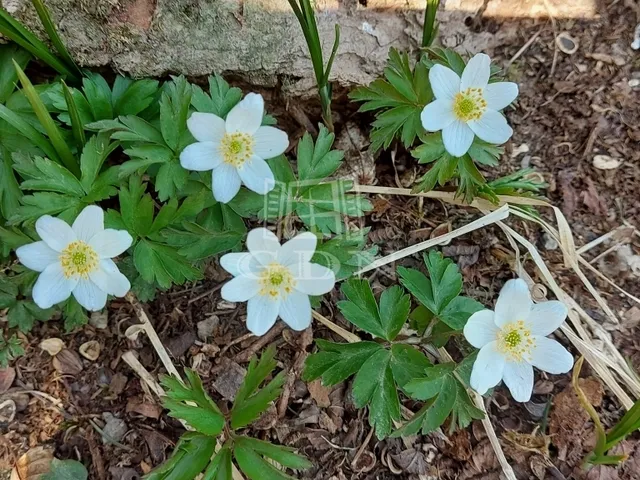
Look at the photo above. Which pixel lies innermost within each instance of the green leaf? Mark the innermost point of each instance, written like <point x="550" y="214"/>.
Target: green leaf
<point x="317" y="161"/>
<point x="66" y="470"/>
<point x="195" y="242"/>
<point x="205" y="417"/>
<point x="10" y="192"/>
<point x="43" y="174"/>
<point x="432" y="148"/>
<point x="46" y="203"/>
<point x="440" y="173"/>
<point x="407" y="363"/>
<point x="170" y="179"/>
<point x="163" y="264"/>
<point x="457" y="312"/>
<point x="174" y="109"/>
<point x="94" y="153"/>
<point x="53" y="132"/>
<point x="10" y="349"/>
<point x="374" y="386"/>
<point x="335" y="362"/>
<point x="361" y="309"/>
<point x="8" y="76"/>
<point x="285" y="456"/>
<point x="26" y="130"/>
<point x="24" y="313"/>
<point x="136" y="208"/>
<point x="221" y="98"/>
<point x="345" y="254"/>
<point x="485" y="153"/>
<point x="77" y="125"/>
<point x="189" y="458"/>
<point x="436" y="292"/>
<point x="221" y="467"/>
<point x="255" y="467"/>
<point x="398" y="100"/>
<point x="74" y="315"/>
<point x="132" y="97"/>
<point x="251" y="401"/>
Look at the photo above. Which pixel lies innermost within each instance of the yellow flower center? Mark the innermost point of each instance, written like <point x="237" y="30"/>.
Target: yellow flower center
<point x="78" y="259"/>
<point x="515" y="341"/>
<point x="276" y="281"/>
<point x="236" y="148"/>
<point x="469" y="104"/>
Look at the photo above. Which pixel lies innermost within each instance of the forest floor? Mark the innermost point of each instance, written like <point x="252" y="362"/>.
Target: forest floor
<point x="570" y="108"/>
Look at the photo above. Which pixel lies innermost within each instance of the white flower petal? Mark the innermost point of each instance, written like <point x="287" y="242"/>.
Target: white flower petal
<point x="109" y="279"/>
<point x="247" y="115"/>
<point x="313" y="279"/>
<point x="295" y="310"/>
<point x="457" y="138"/>
<point x="89" y="295"/>
<point x="110" y="243"/>
<point x="226" y="183"/>
<point x="201" y="156"/>
<point x="299" y="249"/>
<point x="546" y="318"/>
<point x="206" y="127"/>
<point x="52" y="286"/>
<point x="550" y="356"/>
<point x="492" y="127"/>
<point x="500" y="94"/>
<point x="487" y="369"/>
<point x="445" y="83"/>
<point x="269" y="142"/>
<point x="55" y="232"/>
<point x="242" y="263"/>
<point x="518" y="377"/>
<point x="240" y="289"/>
<point x="514" y="302"/>
<point x="437" y="115"/>
<point x="476" y="73"/>
<point x="257" y="176"/>
<point x="263" y="245"/>
<point x="37" y="256"/>
<point x="262" y="312"/>
<point x="89" y="222"/>
<point x="481" y="329"/>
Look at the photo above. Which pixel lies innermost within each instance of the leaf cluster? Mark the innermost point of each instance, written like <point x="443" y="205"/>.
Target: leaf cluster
<point x="320" y="203"/>
<point x="196" y="452"/>
<point x="397" y="100"/>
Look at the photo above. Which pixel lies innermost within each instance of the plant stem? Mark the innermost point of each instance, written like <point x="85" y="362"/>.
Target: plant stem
<point x="430" y="28"/>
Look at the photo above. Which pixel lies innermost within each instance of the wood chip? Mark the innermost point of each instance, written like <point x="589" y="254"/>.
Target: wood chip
<point x="605" y="162"/>
<point x="67" y="362"/>
<point x="52" y="346"/>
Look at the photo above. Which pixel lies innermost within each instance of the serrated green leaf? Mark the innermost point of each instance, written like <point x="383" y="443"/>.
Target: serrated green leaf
<point x="251" y="401"/>
<point x="170" y="179"/>
<point x="134" y="97"/>
<point x="66" y="470"/>
<point x="10" y="349"/>
<point x="221" y="98"/>
<point x="361" y="308"/>
<point x="374" y="386"/>
<point x="458" y="310"/>
<point x="74" y="315"/>
<point x="485" y="153"/>
<point x="335" y="362"/>
<point x="432" y="148"/>
<point x="317" y="161"/>
<point x="444" y="284"/>
<point x="43" y="174"/>
<point x="345" y="254"/>
<point x="8" y="76"/>
<point x="195" y="242"/>
<point x="407" y="363"/>
<point x="24" y="313"/>
<point x="94" y="153"/>
<point x="189" y="458"/>
<point x="163" y="264"/>
<point x="285" y="456"/>
<point x="30" y="134"/>
<point x="46" y="203"/>
<point x="220" y="467"/>
<point x="255" y="467"/>
<point x="174" y="109"/>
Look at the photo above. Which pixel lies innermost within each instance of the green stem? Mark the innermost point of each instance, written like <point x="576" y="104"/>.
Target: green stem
<point x="429" y="29"/>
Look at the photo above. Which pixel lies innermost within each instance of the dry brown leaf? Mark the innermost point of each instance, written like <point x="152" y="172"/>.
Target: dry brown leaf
<point x="67" y="362"/>
<point x="32" y="464"/>
<point x="7" y="376"/>
<point x="52" y="346"/>
<point x="90" y="350"/>
<point x="592" y="199"/>
<point x="319" y="393"/>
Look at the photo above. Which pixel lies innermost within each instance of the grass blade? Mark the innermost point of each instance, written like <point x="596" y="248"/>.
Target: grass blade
<point x="14" y="30"/>
<point x="334" y="50"/>
<point x="45" y="18"/>
<point x="8" y="77"/>
<point x="430" y="27"/>
<point x="26" y="130"/>
<point x="61" y="147"/>
<point x="76" y="124"/>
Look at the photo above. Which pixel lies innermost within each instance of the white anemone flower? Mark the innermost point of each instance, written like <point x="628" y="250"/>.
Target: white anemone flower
<point x="276" y="280"/>
<point x="76" y="260"/>
<point x="235" y="148"/>
<point x="468" y="105"/>
<point x="513" y="339"/>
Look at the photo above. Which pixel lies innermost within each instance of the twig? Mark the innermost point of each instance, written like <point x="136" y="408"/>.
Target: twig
<point x="348" y="336"/>
<point x="524" y="48"/>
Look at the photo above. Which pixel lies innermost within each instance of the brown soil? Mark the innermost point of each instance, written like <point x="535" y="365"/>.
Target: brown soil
<point x="570" y="109"/>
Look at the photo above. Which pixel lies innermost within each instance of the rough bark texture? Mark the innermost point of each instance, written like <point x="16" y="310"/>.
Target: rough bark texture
<point x="259" y="39"/>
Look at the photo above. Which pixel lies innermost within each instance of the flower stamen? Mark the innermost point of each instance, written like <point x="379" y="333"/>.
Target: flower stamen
<point x="276" y="281"/>
<point x="515" y="341"/>
<point x="236" y="148"/>
<point x="78" y="259"/>
<point x="469" y="104"/>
